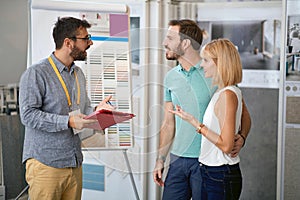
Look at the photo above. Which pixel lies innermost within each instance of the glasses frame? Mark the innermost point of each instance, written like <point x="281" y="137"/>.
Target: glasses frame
<point x="88" y="38"/>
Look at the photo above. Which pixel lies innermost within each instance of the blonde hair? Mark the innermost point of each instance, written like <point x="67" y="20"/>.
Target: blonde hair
<point x="227" y="59"/>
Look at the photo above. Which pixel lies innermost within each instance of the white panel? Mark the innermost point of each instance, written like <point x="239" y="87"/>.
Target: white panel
<point x="239" y="11"/>
<point x="78" y="6"/>
<point x="260" y="79"/>
<point x="293" y="7"/>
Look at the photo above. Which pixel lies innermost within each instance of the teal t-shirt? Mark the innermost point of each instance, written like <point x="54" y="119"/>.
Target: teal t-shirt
<point x="192" y="91"/>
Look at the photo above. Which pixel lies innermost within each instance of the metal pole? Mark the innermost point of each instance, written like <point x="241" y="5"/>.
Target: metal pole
<point x="130" y="174"/>
<point x="22" y="192"/>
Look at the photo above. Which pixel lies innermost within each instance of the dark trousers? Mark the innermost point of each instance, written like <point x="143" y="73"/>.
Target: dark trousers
<point x="183" y="180"/>
<point x="221" y="182"/>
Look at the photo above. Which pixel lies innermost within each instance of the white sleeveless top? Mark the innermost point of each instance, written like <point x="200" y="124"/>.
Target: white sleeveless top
<point x="210" y="154"/>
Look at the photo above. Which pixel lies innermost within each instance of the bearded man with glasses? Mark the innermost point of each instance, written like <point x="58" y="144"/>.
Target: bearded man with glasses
<point x="53" y="104"/>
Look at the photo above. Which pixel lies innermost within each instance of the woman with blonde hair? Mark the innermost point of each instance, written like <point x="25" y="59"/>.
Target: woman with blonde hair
<point x="221" y="174"/>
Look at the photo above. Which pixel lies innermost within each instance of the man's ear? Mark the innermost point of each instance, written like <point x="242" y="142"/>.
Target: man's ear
<point x="68" y="43"/>
<point x="186" y="43"/>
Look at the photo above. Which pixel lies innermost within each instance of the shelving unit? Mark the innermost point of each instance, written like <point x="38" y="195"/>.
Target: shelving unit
<point x="9" y="95"/>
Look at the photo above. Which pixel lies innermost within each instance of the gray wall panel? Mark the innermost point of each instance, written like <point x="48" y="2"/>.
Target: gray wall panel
<point x="13" y="39"/>
<point x="292" y="164"/>
<point x="12" y="137"/>
<point x="259" y="156"/>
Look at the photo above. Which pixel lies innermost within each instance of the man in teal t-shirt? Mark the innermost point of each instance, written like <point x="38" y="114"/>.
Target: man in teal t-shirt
<point x="186" y="86"/>
<point x="192" y="91"/>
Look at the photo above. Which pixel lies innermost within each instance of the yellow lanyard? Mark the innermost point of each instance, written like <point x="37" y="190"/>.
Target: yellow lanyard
<point x="64" y="85"/>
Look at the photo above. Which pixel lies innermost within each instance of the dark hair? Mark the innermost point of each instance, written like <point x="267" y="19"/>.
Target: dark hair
<point x="67" y="27"/>
<point x="189" y="30"/>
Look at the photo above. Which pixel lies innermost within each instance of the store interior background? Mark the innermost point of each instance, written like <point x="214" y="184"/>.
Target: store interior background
<point x="270" y="158"/>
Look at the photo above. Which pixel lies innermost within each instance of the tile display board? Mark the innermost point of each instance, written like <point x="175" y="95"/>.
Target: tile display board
<point x="107" y="68"/>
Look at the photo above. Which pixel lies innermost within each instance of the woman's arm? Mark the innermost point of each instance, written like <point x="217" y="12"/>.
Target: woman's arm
<point x="240" y="139"/>
<point x="225" y="109"/>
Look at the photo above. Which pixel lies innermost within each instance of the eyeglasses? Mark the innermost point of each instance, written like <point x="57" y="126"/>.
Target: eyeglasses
<point x="88" y="38"/>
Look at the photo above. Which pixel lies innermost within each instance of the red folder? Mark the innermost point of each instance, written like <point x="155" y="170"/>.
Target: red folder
<point x="107" y="118"/>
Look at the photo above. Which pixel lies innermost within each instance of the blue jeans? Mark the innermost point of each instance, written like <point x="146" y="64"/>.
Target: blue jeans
<point x="183" y="180"/>
<point x="221" y="182"/>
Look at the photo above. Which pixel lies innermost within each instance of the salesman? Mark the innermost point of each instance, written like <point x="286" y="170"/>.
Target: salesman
<point x="53" y="104"/>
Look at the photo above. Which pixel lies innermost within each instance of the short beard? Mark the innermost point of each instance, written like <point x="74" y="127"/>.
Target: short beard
<point x="175" y="54"/>
<point x="77" y="54"/>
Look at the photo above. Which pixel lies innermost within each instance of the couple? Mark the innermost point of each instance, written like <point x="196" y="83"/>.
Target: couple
<point x="201" y="99"/>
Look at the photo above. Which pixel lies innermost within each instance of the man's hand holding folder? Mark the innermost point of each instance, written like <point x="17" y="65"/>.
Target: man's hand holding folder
<point x="106" y="118"/>
<point x="79" y="121"/>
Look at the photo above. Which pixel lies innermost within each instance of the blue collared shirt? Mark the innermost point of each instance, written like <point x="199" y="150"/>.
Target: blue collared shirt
<point x="44" y="111"/>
